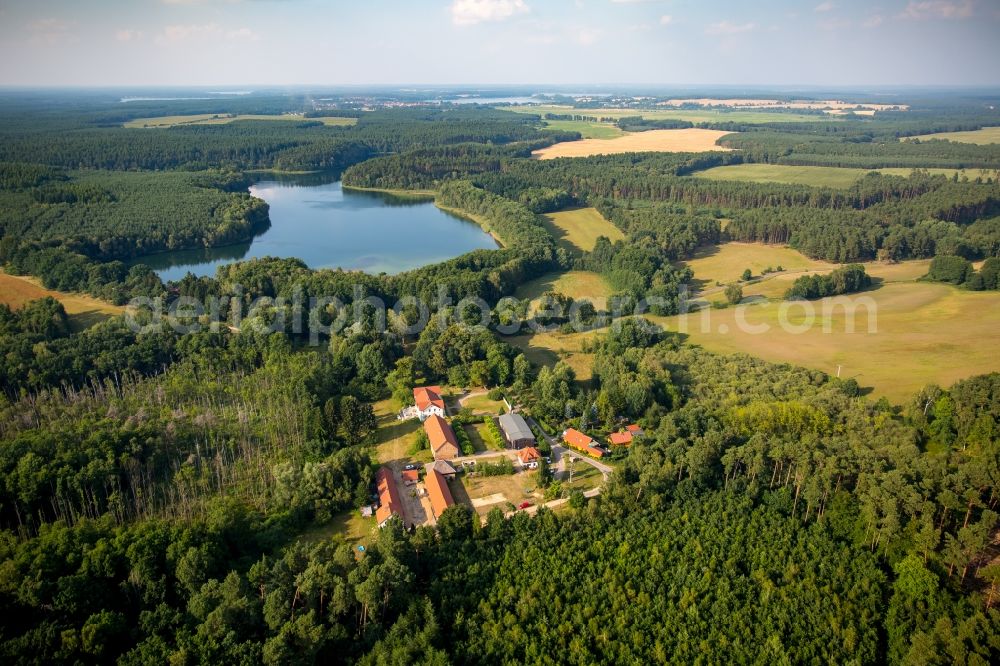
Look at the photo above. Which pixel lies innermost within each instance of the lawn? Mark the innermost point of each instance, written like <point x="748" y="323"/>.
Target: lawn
<point x="481" y="404"/>
<point x="222" y="119"/>
<point x="84" y="311"/>
<point x="693" y="140"/>
<point x="577" y="229"/>
<point x="475" y="432"/>
<point x="981" y="136"/>
<point x="394" y="438"/>
<point x="575" y="284"/>
<point x="835" y="177"/>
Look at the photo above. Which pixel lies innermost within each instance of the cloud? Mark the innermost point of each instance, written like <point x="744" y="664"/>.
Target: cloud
<point x="587" y="36"/>
<point x="729" y="28"/>
<point x="470" y="12"/>
<point x="174" y="34"/>
<point x="824" y="7"/>
<point x="128" y="35"/>
<point x="873" y="21"/>
<point x="938" y="9"/>
<point x="666" y="19"/>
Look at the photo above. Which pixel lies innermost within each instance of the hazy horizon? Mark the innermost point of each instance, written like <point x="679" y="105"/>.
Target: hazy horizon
<point x="391" y="43"/>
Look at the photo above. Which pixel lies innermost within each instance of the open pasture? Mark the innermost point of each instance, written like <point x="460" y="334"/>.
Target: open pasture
<point x="692" y="140"/>
<point x="693" y="115"/>
<point x="84" y="311"/>
<point x="725" y="263"/>
<point x="577" y="229"/>
<point x="222" y="119"/>
<point x="815" y="176"/>
<point x="587" y="129"/>
<point x="575" y="284"/>
<point x="982" y="136"/>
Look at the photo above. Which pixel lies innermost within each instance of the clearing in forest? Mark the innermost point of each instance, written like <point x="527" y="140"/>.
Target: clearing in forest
<point x="223" y="118"/>
<point x="725" y="263"/>
<point x="982" y="136"/>
<point x="691" y="140"/>
<point x="917" y="340"/>
<point x="816" y="176"/>
<point x="84" y="311"/>
<point x="586" y="128"/>
<point x="577" y="229"/>
<point x="575" y="284"/>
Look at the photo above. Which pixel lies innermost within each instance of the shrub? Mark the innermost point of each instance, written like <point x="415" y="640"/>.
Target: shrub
<point x="950" y="269"/>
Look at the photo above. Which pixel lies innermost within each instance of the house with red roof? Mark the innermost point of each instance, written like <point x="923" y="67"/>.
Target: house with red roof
<point x="411" y="477"/>
<point x="528" y="454"/>
<point x="428" y="401"/>
<point x="438" y="492"/>
<point x="388" y="495"/>
<point x="583" y="443"/>
<point x="444" y="444"/>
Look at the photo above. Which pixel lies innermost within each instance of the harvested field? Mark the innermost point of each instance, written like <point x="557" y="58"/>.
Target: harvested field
<point x="692" y="140"/>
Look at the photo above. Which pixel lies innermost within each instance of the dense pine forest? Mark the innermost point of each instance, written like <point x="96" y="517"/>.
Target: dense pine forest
<point x="177" y="493"/>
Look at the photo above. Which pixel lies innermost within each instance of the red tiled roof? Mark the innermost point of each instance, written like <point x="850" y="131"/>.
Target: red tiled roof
<point x="634" y="429"/>
<point x="577" y="439"/>
<point x="621" y="438"/>
<point x="425" y="396"/>
<point x="594" y="451"/>
<point x="444" y="445"/>
<point x="388" y="496"/>
<point x="528" y="454"/>
<point x="438" y="491"/>
<point x="411" y="475"/>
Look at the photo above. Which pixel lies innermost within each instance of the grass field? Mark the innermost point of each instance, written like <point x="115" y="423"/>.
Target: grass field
<point x="981" y="136"/>
<point x="84" y="311"/>
<point x="481" y="404"/>
<point x="926" y="333"/>
<point x="578" y="229"/>
<point x="394" y="438"/>
<point x="836" y="177"/>
<point x="775" y="285"/>
<point x="575" y="284"/>
<point x="222" y="119"/>
<point x="669" y="140"/>
<point x="514" y="488"/>
<point x="587" y="130"/>
<point x="725" y="263"/>
<point x="692" y="115"/>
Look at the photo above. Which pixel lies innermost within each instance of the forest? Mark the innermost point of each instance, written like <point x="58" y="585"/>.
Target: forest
<point x="180" y="495"/>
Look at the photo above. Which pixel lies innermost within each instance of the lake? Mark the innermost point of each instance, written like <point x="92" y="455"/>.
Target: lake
<point x="327" y="226"/>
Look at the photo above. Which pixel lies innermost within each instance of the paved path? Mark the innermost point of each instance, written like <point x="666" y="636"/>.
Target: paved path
<point x="560" y="453"/>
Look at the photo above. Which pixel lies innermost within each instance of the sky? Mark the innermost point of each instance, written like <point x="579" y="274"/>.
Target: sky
<point x="567" y="42"/>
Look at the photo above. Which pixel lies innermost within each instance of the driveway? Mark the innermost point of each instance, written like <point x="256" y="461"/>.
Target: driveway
<point x="559" y="452"/>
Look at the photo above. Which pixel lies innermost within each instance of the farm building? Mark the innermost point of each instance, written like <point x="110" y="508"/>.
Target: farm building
<point x="411" y="477"/>
<point x="444" y="445"/>
<point x="438" y="491"/>
<point x="388" y="495"/>
<point x="515" y="431"/>
<point x="444" y="468"/>
<point x="528" y="454"/>
<point x="583" y="443"/>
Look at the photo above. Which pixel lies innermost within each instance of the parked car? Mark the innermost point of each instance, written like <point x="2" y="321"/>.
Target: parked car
<point x="524" y="505"/>
<point x="532" y="465"/>
<point x="411" y="466"/>
<point x="548" y="461"/>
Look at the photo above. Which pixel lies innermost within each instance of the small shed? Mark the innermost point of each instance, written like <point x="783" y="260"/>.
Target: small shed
<point x="444" y="468"/>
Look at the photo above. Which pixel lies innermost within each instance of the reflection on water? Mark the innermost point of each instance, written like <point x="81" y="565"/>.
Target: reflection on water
<point x="314" y="219"/>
